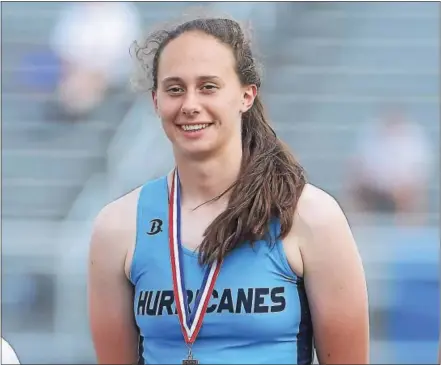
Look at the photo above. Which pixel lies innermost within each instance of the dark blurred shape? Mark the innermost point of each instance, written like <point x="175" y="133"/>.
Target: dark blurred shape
<point x="28" y="301"/>
<point x="391" y="169"/>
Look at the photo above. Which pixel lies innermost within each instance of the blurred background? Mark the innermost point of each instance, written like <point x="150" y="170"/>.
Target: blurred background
<point x="353" y="88"/>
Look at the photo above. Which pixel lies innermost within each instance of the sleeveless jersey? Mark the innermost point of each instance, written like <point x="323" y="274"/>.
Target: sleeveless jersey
<point x="258" y="312"/>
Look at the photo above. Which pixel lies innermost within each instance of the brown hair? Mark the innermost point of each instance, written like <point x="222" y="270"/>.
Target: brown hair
<point x="271" y="180"/>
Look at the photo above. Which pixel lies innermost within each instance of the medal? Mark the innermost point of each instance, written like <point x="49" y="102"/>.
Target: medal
<point x="189" y="360"/>
<point x="190" y="323"/>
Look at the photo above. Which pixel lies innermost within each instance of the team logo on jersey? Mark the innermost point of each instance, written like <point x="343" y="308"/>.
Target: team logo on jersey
<point x="238" y="301"/>
<point x="155" y="227"/>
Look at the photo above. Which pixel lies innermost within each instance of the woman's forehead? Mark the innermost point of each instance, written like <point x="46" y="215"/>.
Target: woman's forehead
<point x="197" y="52"/>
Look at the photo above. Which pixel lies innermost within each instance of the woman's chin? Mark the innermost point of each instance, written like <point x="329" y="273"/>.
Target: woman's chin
<point x="196" y="150"/>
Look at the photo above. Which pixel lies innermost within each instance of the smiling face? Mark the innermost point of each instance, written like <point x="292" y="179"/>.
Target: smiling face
<point x="199" y="97"/>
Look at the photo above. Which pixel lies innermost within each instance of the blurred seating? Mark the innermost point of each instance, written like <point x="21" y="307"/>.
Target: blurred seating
<point x="324" y="77"/>
<point x="371" y="56"/>
<point x="46" y="163"/>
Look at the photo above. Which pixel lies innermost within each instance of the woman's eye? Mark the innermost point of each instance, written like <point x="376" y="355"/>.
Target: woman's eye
<point x="175" y="90"/>
<point x="209" y="87"/>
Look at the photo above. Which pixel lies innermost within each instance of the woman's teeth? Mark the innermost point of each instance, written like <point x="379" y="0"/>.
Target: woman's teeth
<point x="194" y="127"/>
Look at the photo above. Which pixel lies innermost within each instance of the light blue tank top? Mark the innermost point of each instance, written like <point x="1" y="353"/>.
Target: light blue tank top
<point x="258" y="312"/>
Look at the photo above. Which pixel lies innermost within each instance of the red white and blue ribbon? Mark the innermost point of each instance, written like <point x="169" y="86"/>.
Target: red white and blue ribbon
<point x="191" y="323"/>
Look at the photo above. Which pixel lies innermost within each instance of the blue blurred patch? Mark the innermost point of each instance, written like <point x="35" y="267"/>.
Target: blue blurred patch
<point x="414" y="315"/>
<point x="416" y="318"/>
<point x="40" y="70"/>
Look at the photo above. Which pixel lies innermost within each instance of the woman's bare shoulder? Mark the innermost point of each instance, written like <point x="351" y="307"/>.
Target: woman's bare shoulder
<point x="318" y="215"/>
<point x="115" y="214"/>
<point x="115" y="224"/>
<point x="316" y="207"/>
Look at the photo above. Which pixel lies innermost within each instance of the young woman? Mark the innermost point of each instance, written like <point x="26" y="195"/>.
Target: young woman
<point x="232" y="257"/>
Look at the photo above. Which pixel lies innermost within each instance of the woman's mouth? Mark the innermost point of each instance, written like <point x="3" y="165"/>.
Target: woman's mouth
<point x="194" y="127"/>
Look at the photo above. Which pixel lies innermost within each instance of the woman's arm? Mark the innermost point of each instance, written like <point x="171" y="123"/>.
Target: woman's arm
<point x="334" y="280"/>
<point x="114" y="332"/>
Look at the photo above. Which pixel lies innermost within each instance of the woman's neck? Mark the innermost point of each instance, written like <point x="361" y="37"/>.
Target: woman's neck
<point x="202" y="181"/>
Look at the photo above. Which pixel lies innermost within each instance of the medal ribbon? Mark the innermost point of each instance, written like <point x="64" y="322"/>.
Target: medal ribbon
<point x="190" y="323"/>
